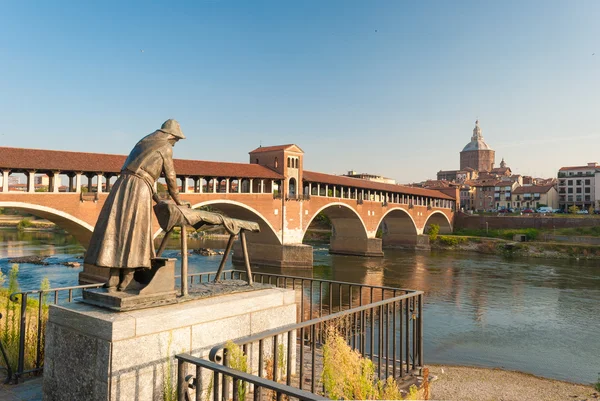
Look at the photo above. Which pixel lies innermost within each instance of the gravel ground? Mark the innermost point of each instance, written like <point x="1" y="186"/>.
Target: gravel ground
<point x="481" y="384"/>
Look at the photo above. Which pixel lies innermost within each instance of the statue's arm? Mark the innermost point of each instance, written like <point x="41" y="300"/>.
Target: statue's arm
<point x="170" y="176"/>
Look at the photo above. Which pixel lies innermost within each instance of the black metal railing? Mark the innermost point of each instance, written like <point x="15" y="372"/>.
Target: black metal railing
<point x="315" y="298"/>
<point x="35" y="343"/>
<point x="222" y="375"/>
<point x="388" y="332"/>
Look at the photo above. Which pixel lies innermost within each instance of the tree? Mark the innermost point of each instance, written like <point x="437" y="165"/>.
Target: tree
<point x="161" y="188"/>
<point x="573" y="209"/>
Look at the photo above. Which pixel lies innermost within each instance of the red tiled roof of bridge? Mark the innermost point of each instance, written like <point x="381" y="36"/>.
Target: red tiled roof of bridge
<point x="374" y="185"/>
<point x="262" y="149"/>
<point x="55" y="160"/>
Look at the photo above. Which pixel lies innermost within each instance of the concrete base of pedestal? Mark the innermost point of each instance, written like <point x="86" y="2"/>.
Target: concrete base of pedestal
<point x="97" y="354"/>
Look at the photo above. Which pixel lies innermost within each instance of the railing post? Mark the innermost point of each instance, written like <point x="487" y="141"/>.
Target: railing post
<point x="23" y="331"/>
<point x="181" y="380"/>
<point x="421" y="361"/>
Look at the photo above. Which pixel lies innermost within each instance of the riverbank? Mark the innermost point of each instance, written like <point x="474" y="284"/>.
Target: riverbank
<point x="26" y="223"/>
<point x="484" y="384"/>
<point x="531" y="249"/>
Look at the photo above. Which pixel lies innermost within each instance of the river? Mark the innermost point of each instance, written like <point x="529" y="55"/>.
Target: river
<point x="533" y="315"/>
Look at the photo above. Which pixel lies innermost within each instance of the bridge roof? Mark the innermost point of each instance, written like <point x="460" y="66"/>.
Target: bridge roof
<point x="58" y="160"/>
<point x="373" y="185"/>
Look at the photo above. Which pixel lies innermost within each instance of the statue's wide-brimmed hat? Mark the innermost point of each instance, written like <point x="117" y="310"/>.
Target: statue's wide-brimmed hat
<point x="172" y="127"/>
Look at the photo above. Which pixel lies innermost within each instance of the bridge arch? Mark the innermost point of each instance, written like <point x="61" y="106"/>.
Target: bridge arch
<point x="238" y="210"/>
<point x="399" y="228"/>
<point x="343" y="218"/>
<point x="441" y="220"/>
<point x="349" y="234"/>
<point x="80" y="230"/>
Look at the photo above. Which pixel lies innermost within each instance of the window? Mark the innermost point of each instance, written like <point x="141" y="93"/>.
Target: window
<point x="578" y="182"/>
<point x="570" y="182"/>
<point x="587" y="198"/>
<point x="587" y="182"/>
<point x="570" y="190"/>
<point x="256" y="161"/>
<point x="587" y="190"/>
<point x="570" y="198"/>
<point x="578" y="190"/>
<point x="289" y="162"/>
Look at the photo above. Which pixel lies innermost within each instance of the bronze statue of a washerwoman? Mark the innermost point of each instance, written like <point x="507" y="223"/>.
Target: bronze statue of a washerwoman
<point x="122" y="238"/>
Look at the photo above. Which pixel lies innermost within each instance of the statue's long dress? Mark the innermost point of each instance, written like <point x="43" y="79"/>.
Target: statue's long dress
<point x="122" y="236"/>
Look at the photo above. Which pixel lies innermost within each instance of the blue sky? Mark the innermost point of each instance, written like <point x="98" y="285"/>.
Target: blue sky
<point x="388" y="87"/>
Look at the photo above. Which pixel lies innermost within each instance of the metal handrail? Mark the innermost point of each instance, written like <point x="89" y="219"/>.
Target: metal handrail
<point x="237" y="376"/>
<point x="213" y="354"/>
<point x="395" y="353"/>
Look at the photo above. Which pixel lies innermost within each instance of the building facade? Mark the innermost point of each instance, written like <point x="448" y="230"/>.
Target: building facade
<point x="579" y="186"/>
<point x="535" y="196"/>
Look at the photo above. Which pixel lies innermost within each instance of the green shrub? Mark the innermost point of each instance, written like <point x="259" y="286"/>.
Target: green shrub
<point x="10" y="322"/>
<point x="451" y="240"/>
<point x="597" y="384"/>
<point x="25" y="223"/>
<point x="238" y="361"/>
<point x="433" y="232"/>
<point x="573" y="209"/>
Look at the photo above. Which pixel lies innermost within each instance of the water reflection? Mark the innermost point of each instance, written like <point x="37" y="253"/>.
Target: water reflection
<point x="533" y="315"/>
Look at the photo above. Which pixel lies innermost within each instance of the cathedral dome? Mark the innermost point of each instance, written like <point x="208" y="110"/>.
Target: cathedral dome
<point x="477" y="142"/>
<point x="476" y="145"/>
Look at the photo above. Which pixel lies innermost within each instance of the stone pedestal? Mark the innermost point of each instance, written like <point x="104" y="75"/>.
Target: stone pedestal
<point x="97" y="354"/>
<point x="291" y="255"/>
<point x="356" y="246"/>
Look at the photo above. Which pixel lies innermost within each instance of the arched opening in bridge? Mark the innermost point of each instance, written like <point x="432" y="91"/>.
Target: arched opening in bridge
<point x="79" y="229"/>
<point x="441" y="220"/>
<point x="398" y="229"/>
<point x="292" y="187"/>
<point x="346" y="231"/>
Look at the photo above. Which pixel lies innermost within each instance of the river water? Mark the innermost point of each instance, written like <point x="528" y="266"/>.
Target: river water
<point x="533" y="315"/>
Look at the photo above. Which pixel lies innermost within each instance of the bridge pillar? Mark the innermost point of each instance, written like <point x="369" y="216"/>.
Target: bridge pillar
<point x="55" y="181"/>
<point x="78" y="182"/>
<point x="404" y="241"/>
<point x="31" y="181"/>
<point x="5" y="174"/>
<point x="357" y="246"/>
<point x="273" y="255"/>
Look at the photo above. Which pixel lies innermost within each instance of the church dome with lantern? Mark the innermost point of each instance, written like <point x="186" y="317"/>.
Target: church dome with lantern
<point x="477" y="154"/>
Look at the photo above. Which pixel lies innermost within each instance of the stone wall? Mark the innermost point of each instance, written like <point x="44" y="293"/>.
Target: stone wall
<point x="540" y="222"/>
<point x="96" y="354"/>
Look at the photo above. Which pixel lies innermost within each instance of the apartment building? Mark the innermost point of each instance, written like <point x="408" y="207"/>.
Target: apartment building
<point x="534" y="196"/>
<point x="579" y="186"/>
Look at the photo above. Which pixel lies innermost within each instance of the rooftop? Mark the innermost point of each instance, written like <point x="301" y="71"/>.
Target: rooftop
<point x="59" y="160"/>
<point x="322" y="178"/>
<point x="541" y="189"/>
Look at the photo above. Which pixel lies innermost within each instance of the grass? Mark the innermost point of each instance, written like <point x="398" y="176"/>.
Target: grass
<point x="530" y="233"/>
<point x="10" y="323"/>
<point x="349" y="376"/>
